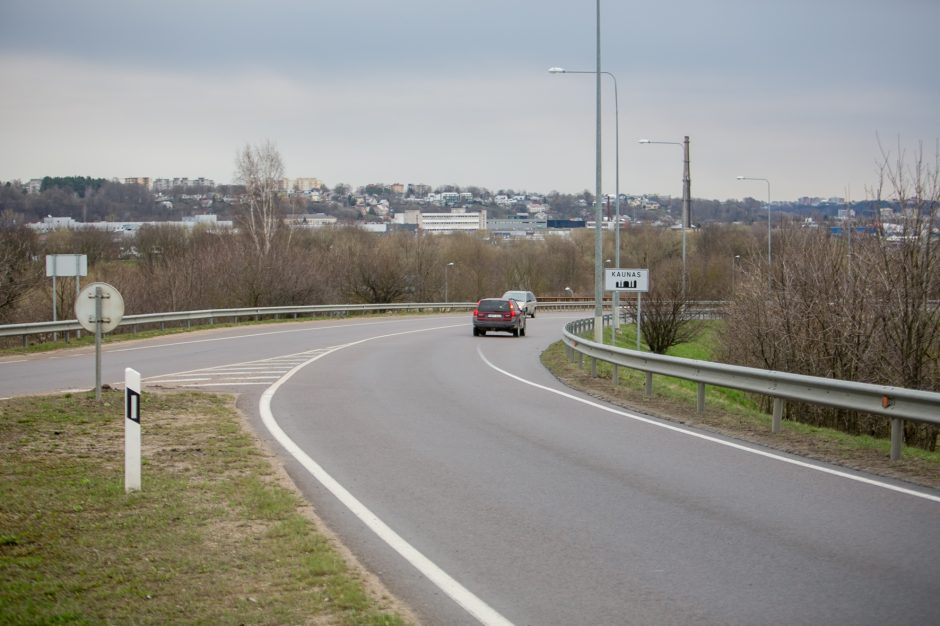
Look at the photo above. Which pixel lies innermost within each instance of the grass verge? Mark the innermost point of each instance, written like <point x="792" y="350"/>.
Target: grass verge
<point x="736" y="414"/>
<point x="217" y="535"/>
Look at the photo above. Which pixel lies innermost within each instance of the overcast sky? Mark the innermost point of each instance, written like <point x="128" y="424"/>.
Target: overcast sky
<point x="458" y="92"/>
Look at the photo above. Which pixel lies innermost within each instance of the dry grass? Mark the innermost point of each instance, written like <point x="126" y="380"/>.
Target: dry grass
<point x="216" y="535"/>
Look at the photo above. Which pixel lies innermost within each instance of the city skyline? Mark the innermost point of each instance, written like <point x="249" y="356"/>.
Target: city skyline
<point x="363" y="92"/>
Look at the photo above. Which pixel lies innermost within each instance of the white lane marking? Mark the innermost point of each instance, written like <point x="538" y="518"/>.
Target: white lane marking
<point x="461" y="595"/>
<point x="730" y="444"/>
<point x="13" y="361"/>
<point x="228" y="338"/>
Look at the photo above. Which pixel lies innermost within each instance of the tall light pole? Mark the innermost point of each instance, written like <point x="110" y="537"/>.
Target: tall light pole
<point x="769" y="273"/>
<point x="616" y="294"/>
<point x="598" y="209"/>
<point x="446" y="267"/>
<point x="734" y="268"/>
<point x="686" y="198"/>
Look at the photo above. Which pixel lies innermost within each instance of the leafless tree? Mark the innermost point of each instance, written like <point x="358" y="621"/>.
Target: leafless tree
<point x="18" y="272"/>
<point x="667" y="316"/>
<point x="862" y="309"/>
<point x="260" y="170"/>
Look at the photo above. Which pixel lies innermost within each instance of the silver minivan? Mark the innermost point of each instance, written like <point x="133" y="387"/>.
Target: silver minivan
<point x="526" y="300"/>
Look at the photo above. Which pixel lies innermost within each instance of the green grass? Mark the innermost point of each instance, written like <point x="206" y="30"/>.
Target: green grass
<point x="215" y="536"/>
<point x="676" y="388"/>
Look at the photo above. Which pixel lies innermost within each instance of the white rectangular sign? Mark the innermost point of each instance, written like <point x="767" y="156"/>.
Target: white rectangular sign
<point x="626" y="280"/>
<point x="67" y="265"/>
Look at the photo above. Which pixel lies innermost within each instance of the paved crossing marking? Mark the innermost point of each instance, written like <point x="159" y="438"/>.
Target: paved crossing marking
<point x="261" y="372"/>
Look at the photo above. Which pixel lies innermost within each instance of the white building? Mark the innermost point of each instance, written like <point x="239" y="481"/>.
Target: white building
<point x="445" y="223"/>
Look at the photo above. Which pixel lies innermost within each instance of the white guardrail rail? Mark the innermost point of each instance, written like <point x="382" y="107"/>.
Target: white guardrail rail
<point x="896" y="403"/>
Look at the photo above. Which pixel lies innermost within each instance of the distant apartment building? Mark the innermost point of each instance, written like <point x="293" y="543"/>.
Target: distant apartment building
<point x="397" y="188"/>
<point x="168" y="184"/>
<point x="450" y="198"/>
<point x="305" y="184"/>
<point x="143" y="181"/>
<point x="418" y="190"/>
<point x="34" y="185"/>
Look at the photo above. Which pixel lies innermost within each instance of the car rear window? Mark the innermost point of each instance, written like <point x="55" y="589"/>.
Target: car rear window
<point x="493" y="305"/>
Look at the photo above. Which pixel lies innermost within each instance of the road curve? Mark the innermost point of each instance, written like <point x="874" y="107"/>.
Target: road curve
<point x="551" y="510"/>
<point x="538" y="504"/>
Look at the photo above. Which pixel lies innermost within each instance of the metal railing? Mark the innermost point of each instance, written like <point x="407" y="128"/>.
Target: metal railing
<point x="212" y="316"/>
<point x="896" y="403"/>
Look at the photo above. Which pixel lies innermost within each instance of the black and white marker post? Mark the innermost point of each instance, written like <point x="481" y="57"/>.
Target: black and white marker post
<point x="131" y="430"/>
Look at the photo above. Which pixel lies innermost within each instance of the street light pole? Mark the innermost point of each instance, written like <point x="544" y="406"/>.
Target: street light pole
<point x="598" y="211"/>
<point x="616" y="294"/>
<point x="446" y="267"/>
<point x="734" y="268"/>
<point x="769" y="273"/>
<point x="686" y="200"/>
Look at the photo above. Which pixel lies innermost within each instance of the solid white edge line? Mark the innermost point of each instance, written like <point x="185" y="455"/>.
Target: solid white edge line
<point x="461" y="595"/>
<point x="730" y="444"/>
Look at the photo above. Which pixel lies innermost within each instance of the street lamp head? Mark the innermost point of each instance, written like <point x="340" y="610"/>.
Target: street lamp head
<point x="451" y="264"/>
<point x="644" y="141"/>
<point x="741" y="178"/>
<point x="556" y="70"/>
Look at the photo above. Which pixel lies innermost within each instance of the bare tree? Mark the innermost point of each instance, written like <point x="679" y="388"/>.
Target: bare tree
<point x="667" y="318"/>
<point x="260" y="170"/>
<point x="18" y="272"/>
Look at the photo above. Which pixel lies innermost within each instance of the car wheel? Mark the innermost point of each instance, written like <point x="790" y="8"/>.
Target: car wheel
<point x="533" y="314"/>
<point x="476" y="331"/>
<point x="515" y="332"/>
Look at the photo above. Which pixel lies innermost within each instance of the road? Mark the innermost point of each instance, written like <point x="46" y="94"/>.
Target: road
<point x="481" y="490"/>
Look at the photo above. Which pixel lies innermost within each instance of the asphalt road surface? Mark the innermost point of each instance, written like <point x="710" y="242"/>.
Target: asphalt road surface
<point x="482" y="490"/>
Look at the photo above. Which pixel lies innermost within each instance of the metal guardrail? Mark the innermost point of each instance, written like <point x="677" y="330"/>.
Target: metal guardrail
<point x="212" y="315"/>
<point x="896" y="403"/>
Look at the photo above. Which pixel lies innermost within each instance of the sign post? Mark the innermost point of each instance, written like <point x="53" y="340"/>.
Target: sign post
<point x="65" y="265"/>
<point x="635" y="280"/>
<point x="131" y="430"/>
<point x="99" y="308"/>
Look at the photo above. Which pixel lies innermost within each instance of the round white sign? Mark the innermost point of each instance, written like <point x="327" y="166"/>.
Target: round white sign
<point x="112" y="307"/>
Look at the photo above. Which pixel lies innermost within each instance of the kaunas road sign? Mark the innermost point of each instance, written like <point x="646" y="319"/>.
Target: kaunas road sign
<point x="627" y="280"/>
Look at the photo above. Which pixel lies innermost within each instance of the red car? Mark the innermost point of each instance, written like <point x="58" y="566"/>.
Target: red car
<point x="498" y="314"/>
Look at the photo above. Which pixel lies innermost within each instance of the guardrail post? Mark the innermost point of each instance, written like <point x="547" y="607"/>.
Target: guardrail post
<point x="593" y="367"/>
<point x="701" y="398"/>
<point x="778" y="415"/>
<point x="649" y="384"/>
<point x="615" y="373"/>
<point x="897" y="437"/>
